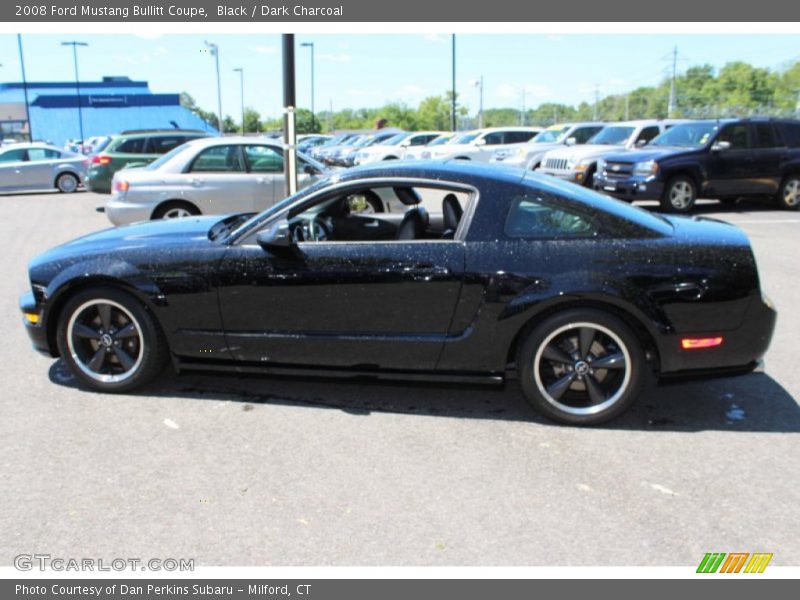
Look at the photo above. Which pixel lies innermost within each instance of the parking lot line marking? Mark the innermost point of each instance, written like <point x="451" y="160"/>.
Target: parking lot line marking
<point x="765" y="221"/>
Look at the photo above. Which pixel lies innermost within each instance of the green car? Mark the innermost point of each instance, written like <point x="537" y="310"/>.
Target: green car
<point x="133" y="148"/>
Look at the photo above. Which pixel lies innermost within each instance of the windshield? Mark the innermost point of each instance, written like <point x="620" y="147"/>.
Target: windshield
<point x="395" y="139"/>
<point x="613" y="136"/>
<point x="550" y="135"/>
<point x="165" y="158"/>
<point x="688" y="135"/>
<point x="442" y="139"/>
<point x="466" y="138"/>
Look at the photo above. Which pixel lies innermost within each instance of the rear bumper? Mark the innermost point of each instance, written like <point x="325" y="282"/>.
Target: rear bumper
<point x="98" y="180"/>
<point x="629" y="188"/>
<point x="124" y="212"/>
<point x="37" y="332"/>
<point x="742" y="350"/>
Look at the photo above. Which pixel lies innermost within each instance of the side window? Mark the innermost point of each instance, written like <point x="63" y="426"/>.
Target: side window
<point x="42" y="154"/>
<point x="131" y="146"/>
<point x="791" y="134"/>
<point x="647" y="134"/>
<point x="14" y="155"/>
<point x="765" y="136"/>
<point x="736" y="134"/>
<point x="264" y="159"/>
<point x="420" y="140"/>
<point x="163" y="144"/>
<point x="518" y="137"/>
<point x="218" y="159"/>
<point x="533" y="218"/>
<point x="582" y="134"/>
<point x="495" y="138"/>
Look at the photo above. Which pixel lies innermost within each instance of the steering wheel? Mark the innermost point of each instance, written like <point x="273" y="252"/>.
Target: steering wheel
<point x="319" y="230"/>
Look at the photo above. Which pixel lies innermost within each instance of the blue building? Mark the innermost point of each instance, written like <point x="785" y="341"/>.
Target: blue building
<point x="106" y="107"/>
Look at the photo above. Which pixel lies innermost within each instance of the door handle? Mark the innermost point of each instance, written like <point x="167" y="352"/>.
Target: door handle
<point x="261" y="180"/>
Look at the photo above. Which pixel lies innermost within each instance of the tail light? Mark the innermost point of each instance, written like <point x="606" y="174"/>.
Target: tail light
<point x="121" y="185"/>
<point x="697" y="343"/>
<point x="101" y="159"/>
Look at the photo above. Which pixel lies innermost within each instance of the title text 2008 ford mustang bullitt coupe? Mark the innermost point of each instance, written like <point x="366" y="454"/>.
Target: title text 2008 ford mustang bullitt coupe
<point x="483" y="273"/>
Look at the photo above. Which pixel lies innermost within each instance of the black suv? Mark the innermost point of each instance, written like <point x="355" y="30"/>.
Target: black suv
<point x="724" y="159"/>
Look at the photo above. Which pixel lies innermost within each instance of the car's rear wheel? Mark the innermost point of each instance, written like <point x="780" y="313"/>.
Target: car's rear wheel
<point x="789" y="195"/>
<point x="109" y="340"/>
<point x="175" y="210"/>
<point x="679" y="195"/>
<point x="67" y="183"/>
<point x="581" y="367"/>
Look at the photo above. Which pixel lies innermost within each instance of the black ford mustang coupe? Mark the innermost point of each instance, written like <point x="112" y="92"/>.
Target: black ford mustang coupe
<point x="468" y="274"/>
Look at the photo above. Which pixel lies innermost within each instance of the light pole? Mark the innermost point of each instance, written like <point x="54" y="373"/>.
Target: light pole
<point x="214" y="50"/>
<point x="75" y="45"/>
<point x="311" y="45"/>
<point x="25" y="87"/>
<point x="478" y="83"/>
<point x="453" y="99"/>
<point x="241" y="82"/>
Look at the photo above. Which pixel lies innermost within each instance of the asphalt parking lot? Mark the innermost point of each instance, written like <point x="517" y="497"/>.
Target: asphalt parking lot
<point x="257" y="471"/>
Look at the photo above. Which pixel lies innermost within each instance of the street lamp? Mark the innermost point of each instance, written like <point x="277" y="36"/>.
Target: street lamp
<point x="75" y="45"/>
<point x="478" y="83"/>
<point x="311" y="45"/>
<point x="214" y="50"/>
<point x="241" y="82"/>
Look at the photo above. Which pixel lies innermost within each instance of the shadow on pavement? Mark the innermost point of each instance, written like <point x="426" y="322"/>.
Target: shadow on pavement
<point x="754" y="402"/>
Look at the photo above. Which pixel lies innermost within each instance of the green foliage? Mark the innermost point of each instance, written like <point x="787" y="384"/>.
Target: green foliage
<point x="738" y="89"/>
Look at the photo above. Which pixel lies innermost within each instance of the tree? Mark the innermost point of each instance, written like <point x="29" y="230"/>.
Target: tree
<point x="252" y="121"/>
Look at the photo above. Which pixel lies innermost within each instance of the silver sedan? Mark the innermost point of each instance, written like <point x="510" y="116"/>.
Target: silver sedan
<point x="206" y="176"/>
<point x="25" y="167"/>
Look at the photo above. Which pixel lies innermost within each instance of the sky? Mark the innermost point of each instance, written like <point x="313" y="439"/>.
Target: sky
<point x="368" y="70"/>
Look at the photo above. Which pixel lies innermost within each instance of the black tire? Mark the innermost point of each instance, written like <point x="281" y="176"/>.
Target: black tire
<point x="679" y="195"/>
<point x="390" y="158"/>
<point x="589" y="181"/>
<point x="175" y="209"/>
<point x="558" y="376"/>
<point x="67" y="183"/>
<point x="129" y="343"/>
<point x="788" y="197"/>
<point x="463" y="158"/>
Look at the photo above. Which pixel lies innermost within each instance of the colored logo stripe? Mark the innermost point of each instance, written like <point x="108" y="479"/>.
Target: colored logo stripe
<point x="758" y="563"/>
<point x="711" y="562"/>
<point x="734" y="562"/>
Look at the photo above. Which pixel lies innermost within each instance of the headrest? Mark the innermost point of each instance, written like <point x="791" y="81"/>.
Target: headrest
<point x="407" y="195"/>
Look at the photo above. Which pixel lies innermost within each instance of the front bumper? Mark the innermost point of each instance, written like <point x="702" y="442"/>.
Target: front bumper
<point x="37" y="331"/>
<point x="571" y="176"/>
<point x="123" y="212"/>
<point x="629" y="188"/>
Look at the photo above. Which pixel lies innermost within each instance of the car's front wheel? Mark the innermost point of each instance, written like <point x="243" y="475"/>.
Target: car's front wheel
<point x="679" y="195"/>
<point x="109" y="340"/>
<point x="789" y="195"/>
<point x="581" y="367"/>
<point x="67" y="183"/>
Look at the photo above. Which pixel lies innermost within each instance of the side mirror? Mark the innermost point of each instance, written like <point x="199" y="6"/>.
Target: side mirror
<point x="480" y="142"/>
<point x="640" y="143"/>
<point x="571" y="141"/>
<point x="405" y="143"/>
<point x="310" y="169"/>
<point x="720" y="146"/>
<point x="276" y="237"/>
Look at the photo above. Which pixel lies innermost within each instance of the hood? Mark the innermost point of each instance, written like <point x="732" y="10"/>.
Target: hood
<point x="164" y="234"/>
<point x="647" y="153"/>
<point x="578" y="153"/>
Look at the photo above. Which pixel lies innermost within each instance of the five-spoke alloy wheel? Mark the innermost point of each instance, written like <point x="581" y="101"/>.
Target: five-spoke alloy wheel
<point x="581" y="366"/>
<point x="679" y="195"/>
<point x="109" y="341"/>
<point x="789" y="195"/>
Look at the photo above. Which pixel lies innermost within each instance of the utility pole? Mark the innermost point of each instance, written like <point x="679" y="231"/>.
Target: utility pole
<point x="25" y="88"/>
<point x="77" y="84"/>
<point x="479" y="85"/>
<point x="671" y="107"/>
<point x="241" y="83"/>
<point x="330" y="115"/>
<point x="627" y="107"/>
<point x="453" y="99"/>
<point x="289" y="103"/>
<point x="214" y="50"/>
<point x="596" y="101"/>
<point x="310" y="45"/>
<point x="522" y="108"/>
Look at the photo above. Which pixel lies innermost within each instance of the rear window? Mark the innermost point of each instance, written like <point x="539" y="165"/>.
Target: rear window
<point x="765" y="137"/>
<point x="535" y="218"/>
<point x="131" y="146"/>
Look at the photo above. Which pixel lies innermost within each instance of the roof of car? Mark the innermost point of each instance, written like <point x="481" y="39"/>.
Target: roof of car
<point x="456" y="170"/>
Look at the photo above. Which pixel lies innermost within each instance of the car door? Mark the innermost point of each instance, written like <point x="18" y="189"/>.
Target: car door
<point x="359" y="304"/>
<point x="217" y="182"/>
<point x="768" y="155"/>
<point x="265" y="166"/>
<point x="11" y="162"/>
<point x="731" y="171"/>
<point x="38" y="172"/>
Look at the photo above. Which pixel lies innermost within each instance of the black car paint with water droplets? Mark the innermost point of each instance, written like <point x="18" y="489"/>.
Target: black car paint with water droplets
<point x="456" y="309"/>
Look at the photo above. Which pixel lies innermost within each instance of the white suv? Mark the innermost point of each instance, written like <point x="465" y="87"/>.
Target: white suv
<point x="529" y="156"/>
<point x="579" y="163"/>
<point x="480" y="144"/>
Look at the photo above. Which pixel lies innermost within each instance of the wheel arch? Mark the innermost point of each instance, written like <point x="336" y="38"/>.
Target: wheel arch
<point x="148" y="295"/>
<point x="642" y="332"/>
<point x="163" y="203"/>
<point x="67" y="171"/>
